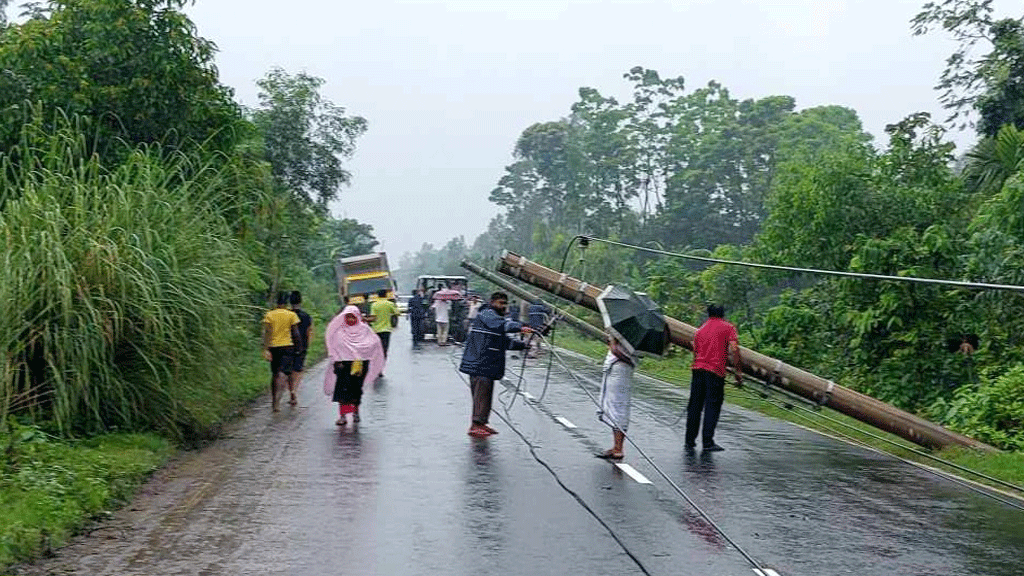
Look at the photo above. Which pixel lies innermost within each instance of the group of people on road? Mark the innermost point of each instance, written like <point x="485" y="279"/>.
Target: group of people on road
<point x="715" y="344"/>
<point x="357" y="346"/>
<point x="286" y="333"/>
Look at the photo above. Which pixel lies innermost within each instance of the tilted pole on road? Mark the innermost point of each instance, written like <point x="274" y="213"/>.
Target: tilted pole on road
<point x="825" y="392"/>
<point x="573" y="321"/>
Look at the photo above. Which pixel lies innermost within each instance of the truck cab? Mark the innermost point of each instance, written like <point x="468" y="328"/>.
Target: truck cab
<point x="361" y="277"/>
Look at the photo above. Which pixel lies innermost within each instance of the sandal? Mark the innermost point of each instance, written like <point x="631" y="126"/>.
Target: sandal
<point x="609" y="455"/>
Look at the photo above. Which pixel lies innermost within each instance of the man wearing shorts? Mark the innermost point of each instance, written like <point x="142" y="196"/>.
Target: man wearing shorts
<point x="280" y="333"/>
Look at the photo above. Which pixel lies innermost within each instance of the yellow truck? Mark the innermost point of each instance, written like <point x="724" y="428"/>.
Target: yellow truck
<point x="361" y="277"/>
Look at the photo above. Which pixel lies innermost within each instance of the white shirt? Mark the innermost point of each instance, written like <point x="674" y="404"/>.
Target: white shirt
<point x="441" y="308"/>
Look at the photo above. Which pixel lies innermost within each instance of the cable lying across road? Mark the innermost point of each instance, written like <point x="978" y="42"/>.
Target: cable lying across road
<point x="579" y="499"/>
<point x="707" y="518"/>
<point x="988" y="493"/>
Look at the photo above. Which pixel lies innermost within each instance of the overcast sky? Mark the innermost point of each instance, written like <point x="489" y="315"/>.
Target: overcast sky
<point x="448" y="86"/>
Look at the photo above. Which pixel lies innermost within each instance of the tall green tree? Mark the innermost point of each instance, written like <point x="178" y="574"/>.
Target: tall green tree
<point x="306" y="137"/>
<point x="991" y="83"/>
<point x="136" y="68"/>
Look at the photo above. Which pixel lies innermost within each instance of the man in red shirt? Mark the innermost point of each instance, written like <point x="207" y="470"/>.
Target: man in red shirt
<point x="712" y="345"/>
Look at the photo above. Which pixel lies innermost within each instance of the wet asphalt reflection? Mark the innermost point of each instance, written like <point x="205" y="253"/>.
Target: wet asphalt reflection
<point x="408" y="492"/>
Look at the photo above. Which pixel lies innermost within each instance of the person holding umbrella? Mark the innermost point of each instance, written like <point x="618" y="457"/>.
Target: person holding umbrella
<point x="442" y="308"/>
<point x="713" y="343"/>
<point x="616" y="385"/>
<point x="636" y="326"/>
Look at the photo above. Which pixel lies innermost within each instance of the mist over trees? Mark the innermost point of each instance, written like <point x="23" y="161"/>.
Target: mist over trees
<point x="762" y="180"/>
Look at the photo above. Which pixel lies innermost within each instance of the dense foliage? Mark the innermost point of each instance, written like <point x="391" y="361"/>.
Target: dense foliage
<point x="760" y="180"/>
<point x="147" y="218"/>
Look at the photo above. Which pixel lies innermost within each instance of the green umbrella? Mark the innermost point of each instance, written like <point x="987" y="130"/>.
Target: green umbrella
<point x="634" y="319"/>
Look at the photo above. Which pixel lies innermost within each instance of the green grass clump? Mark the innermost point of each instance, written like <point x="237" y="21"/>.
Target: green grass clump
<point x="122" y="290"/>
<point x="51" y="488"/>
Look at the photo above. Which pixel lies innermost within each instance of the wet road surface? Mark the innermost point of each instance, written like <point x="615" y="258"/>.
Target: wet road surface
<point x="408" y="492"/>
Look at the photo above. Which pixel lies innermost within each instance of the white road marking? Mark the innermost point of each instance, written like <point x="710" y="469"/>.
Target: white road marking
<point x="765" y="572"/>
<point x="640" y="478"/>
<point x="565" y="422"/>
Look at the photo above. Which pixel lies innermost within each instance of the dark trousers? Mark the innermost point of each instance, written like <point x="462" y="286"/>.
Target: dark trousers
<point x="707" y="392"/>
<point x="482" y="389"/>
<point x="385" y="340"/>
<point x="349" y="387"/>
<point x="417" y="330"/>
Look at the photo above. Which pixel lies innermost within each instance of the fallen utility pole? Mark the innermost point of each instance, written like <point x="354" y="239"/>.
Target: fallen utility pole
<point x="573" y="321"/>
<point x="821" y="391"/>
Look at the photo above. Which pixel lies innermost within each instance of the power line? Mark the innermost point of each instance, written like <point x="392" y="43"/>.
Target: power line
<point x="911" y="279"/>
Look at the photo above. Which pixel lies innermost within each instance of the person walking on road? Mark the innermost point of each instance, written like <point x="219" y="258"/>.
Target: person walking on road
<point x="280" y="333"/>
<point x="356" y="356"/>
<point x="301" y="346"/>
<point x="616" y="385"/>
<point x="441" y="317"/>
<point x="417" y="314"/>
<point x="484" y="358"/>
<point x="538" y="316"/>
<point x="383" y="317"/>
<point x="713" y="343"/>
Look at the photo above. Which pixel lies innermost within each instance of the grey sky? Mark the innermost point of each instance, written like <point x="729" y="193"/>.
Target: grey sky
<point x="447" y="86"/>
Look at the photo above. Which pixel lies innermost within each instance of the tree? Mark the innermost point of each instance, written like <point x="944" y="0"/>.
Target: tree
<point x="994" y="160"/>
<point x="135" y="68"/>
<point x="991" y="84"/>
<point x="305" y="136"/>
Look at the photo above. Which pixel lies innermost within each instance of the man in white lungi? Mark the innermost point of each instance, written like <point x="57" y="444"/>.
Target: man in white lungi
<point x="615" y="394"/>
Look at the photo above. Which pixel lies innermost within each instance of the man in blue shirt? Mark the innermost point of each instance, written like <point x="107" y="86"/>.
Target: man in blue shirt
<point x="484" y="357"/>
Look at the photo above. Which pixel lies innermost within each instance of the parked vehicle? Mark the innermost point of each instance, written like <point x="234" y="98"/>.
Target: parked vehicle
<point x="431" y="285"/>
<point x="361" y="277"/>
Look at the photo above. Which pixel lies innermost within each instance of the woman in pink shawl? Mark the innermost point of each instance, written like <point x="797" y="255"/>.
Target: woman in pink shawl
<point x="357" y="357"/>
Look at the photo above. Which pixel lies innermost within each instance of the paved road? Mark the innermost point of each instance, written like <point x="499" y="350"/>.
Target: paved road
<point x="408" y="492"/>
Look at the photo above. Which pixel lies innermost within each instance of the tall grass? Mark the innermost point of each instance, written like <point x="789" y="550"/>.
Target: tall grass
<point x="120" y="288"/>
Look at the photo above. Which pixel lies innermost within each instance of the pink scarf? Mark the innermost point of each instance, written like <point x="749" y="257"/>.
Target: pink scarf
<point x="358" y="342"/>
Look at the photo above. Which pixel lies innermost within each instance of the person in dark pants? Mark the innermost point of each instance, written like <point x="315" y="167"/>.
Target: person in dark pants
<point x="484" y="358"/>
<point x="301" y="346"/>
<point x="383" y="317"/>
<point x="357" y="356"/>
<point x="713" y="343"/>
<point x="539" y="318"/>
<point x="417" y="315"/>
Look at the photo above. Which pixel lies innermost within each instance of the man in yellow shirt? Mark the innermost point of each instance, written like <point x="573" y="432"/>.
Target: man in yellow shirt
<point x="280" y="333"/>
<point x="382" y="311"/>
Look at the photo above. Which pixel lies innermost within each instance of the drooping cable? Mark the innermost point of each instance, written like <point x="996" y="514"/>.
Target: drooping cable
<point x="912" y="279"/>
<point x="707" y="518"/>
<point x="579" y="499"/>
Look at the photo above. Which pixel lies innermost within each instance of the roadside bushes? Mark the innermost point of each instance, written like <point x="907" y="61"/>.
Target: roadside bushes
<point x="992" y="412"/>
<point x="121" y="288"/>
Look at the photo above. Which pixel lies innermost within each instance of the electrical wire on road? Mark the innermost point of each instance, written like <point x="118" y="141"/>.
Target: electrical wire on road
<point x="940" y="473"/>
<point x="579" y="499"/>
<point x="693" y="504"/>
<point x="585" y="240"/>
<point x="800" y="411"/>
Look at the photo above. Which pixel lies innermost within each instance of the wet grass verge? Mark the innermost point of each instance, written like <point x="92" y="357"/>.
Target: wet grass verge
<point x="1005" y="466"/>
<point x="52" y="488"/>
